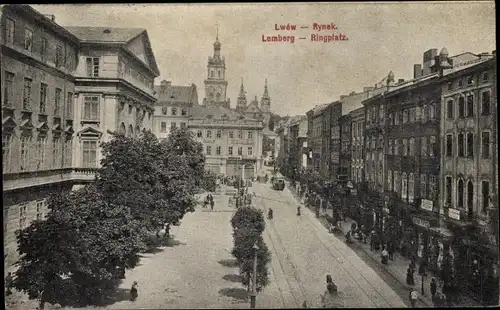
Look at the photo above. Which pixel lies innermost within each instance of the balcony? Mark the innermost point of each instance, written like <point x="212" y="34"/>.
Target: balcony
<point x="20" y="180"/>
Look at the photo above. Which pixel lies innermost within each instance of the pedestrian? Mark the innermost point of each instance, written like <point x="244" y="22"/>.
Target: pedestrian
<point x="133" y="291"/>
<point x="372" y="240"/>
<point x="433" y="286"/>
<point x="8" y="284"/>
<point x="409" y="276"/>
<point x="390" y="250"/>
<point x="413" y="298"/>
<point x="304" y="304"/>
<point x="353" y="226"/>
<point x="212" y="202"/>
<point x="385" y="256"/>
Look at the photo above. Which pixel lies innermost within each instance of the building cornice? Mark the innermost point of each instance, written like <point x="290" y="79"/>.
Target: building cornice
<point x="80" y="81"/>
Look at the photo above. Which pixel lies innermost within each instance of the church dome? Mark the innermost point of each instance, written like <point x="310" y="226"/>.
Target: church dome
<point x="217" y="44"/>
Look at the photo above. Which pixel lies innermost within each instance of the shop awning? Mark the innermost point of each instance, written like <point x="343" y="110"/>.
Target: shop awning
<point x="442" y="231"/>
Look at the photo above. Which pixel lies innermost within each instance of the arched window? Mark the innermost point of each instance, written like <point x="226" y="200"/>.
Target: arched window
<point x="396" y="146"/>
<point x="423" y="186"/>
<point x="137" y="131"/>
<point x="423" y="146"/>
<point x="405" y="147"/>
<point x="411" y="187"/>
<point x="426" y="114"/>
<point x="397" y="182"/>
<point x="122" y="129"/>
<point x="460" y="193"/>
<point x="130" y="131"/>
<point x="211" y="96"/>
<point x="389" y="180"/>
<point x="432" y="111"/>
<point x="470" y="144"/>
<point x="404" y="185"/>
<point x="470" y="196"/>
<point x="381" y="173"/>
<point x="217" y="96"/>
<point x="411" y="150"/>
<point x="405" y="116"/>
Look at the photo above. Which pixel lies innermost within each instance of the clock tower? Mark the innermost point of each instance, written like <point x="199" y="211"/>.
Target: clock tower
<point x="215" y="83"/>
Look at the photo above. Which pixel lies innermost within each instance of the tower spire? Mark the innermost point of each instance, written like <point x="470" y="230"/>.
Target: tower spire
<point x="217" y="35"/>
<point x="242" y="89"/>
<point x="266" y="94"/>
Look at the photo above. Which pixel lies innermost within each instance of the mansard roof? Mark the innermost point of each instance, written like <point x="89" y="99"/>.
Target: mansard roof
<point x="120" y="36"/>
<point x="216" y="112"/>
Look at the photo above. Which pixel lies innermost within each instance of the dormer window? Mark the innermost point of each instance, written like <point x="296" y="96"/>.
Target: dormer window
<point x="485" y="77"/>
<point x="470" y="80"/>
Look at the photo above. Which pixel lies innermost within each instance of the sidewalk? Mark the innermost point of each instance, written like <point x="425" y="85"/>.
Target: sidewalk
<point x="397" y="267"/>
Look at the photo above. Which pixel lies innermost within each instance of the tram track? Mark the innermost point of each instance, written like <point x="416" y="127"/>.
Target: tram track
<point x="288" y="260"/>
<point x="375" y="296"/>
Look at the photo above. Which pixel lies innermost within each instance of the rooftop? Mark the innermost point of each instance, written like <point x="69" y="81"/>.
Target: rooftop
<point x="182" y="94"/>
<point x="105" y="34"/>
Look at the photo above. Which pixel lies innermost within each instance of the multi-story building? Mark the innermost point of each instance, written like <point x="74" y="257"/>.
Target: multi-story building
<point x="315" y="139"/>
<point x="62" y="90"/>
<point x="173" y="107"/>
<point x="357" y="127"/>
<point x="232" y="142"/>
<point x="343" y="171"/>
<point x="295" y="144"/>
<point x="38" y="58"/>
<point x="114" y="81"/>
<point x="469" y="169"/>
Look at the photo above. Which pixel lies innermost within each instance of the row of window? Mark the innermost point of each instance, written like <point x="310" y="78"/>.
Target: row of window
<point x="59" y="61"/>
<point x="413" y="115"/>
<point x="218" y="134"/>
<point x="173" y="111"/>
<point x="404" y="184"/>
<point x="465" y="107"/>
<point x="123" y="70"/>
<point x="357" y="129"/>
<point x="173" y="125"/>
<point x="466" y="190"/>
<point x="465" y="145"/>
<point x="27" y="104"/>
<point x="428" y="147"/>
<point x="218" y="150"/>
<point x="23" y="217"/>
<point x="36" y="155"/>
<point x="470" y="80"/>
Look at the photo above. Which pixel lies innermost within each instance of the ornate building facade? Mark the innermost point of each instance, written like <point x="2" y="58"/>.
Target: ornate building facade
<point x="62" y="90"/>
<point x="469" y="170"/>
<point x="231" y="141"/>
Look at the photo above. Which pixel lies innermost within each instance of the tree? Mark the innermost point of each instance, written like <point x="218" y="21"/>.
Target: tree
<point x="248" y="225"/>
<point x="209" y="181"/>
<point x="80" y="251"/>
<point x="181" y="142"/>
<point x="156" y="180"/>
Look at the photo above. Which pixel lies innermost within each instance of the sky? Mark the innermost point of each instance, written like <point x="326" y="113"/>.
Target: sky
<point x="381" y="37"/>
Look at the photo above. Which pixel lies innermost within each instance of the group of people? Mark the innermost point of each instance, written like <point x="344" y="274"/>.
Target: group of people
<point x="209" y="200"/>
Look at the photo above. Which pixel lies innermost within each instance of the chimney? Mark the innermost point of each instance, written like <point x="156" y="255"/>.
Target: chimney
<point x="429" y="60"/>
<point x="52" y="17"/>
<point x="165" y="83"/>
<point x="417" y="71"/>
<point x="400" y="81"/>
<point x="352" y="93"/>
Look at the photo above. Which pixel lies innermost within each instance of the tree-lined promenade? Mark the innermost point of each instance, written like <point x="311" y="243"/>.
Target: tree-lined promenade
<point x="90" y="236"/>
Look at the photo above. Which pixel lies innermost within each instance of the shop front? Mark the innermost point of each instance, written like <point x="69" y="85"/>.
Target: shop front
<point x="407" y="238"/>
<point x="475" y="268"/>
<point x="426" y="244"/>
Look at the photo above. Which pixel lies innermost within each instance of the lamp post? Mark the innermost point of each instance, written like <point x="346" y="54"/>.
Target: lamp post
<point x="253" y="294"/>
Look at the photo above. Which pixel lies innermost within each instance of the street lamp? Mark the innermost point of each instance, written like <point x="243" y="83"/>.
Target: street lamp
<point x="253" y="294"/>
